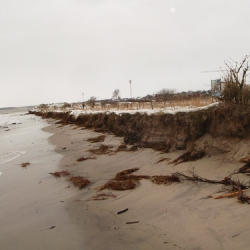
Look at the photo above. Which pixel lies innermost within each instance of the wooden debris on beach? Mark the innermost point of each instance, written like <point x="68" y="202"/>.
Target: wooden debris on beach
<point x="100" y="138"/>
<point x="232" y="194"/>
<point x="132" y="222"/>
<point x="236" y="185"/>
<point x="79" y="181"/>
<point x="82" y="158"/>
<point x="25" y="164"/>
<point x="244" y="160"/>
<point x="60" y="173"/>
<point x="122" y="211"/>
<point x="190" y="155"/>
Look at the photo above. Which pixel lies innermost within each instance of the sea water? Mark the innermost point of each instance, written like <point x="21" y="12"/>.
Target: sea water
<point x="9" y="120"/>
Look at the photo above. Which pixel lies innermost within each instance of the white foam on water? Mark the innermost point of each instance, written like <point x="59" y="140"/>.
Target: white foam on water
<point x="14" y="118"/>
<point x="9" y="156"/>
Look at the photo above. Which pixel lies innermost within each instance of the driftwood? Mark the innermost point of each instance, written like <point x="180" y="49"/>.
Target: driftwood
<point x="194" y="177"/>
<point x="123" y="211"/>
<point x="241" y="197"/>
<point x="132" y="222"/>
<point x="232" y="194"/>
<point x="236" y="185"/>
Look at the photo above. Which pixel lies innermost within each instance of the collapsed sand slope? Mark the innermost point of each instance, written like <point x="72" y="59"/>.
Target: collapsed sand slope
<point x="177" y="216"/>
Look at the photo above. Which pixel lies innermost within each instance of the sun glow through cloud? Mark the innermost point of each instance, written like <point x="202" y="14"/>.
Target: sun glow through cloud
<point x="172" y="9"/>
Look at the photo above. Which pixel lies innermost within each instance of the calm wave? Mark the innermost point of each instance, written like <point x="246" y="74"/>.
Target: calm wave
<point x="9" y="156"/>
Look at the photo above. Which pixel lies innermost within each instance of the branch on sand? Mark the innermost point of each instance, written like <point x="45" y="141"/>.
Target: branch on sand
<point x="236" y="185"/>
<point x="245" y="169"/>
<point x="232" y="194"/>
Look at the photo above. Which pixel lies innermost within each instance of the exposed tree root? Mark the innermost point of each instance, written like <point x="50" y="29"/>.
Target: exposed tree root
<point x="245" y="169"/>
<point x="231" y="194"/>
<point x="236" y="185"/>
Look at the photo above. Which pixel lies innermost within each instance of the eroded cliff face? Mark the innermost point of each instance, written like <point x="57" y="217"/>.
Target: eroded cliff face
<point x="166" y="131"/>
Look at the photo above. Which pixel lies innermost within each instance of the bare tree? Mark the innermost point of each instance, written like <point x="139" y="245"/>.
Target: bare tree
<point x="164" y="95"/>
<point x="116" y="94"/>
<point x="92" y="101"/>
<point x="235" y="89"/>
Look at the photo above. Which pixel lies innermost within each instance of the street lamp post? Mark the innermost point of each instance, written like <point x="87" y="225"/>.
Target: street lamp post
<point x="130" y="89"/>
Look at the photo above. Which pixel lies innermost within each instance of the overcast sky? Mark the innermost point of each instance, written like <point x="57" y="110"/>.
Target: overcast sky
<point x="55" y="50"/>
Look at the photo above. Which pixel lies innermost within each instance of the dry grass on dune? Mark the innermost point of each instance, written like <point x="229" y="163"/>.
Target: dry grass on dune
<point x="100" y="138"/>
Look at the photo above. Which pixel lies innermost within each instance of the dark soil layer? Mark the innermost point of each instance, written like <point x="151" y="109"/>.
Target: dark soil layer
<point x="164" y="131"/>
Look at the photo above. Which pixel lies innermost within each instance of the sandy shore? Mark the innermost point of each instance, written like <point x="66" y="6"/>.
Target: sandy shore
<point x="177" y="216"/>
